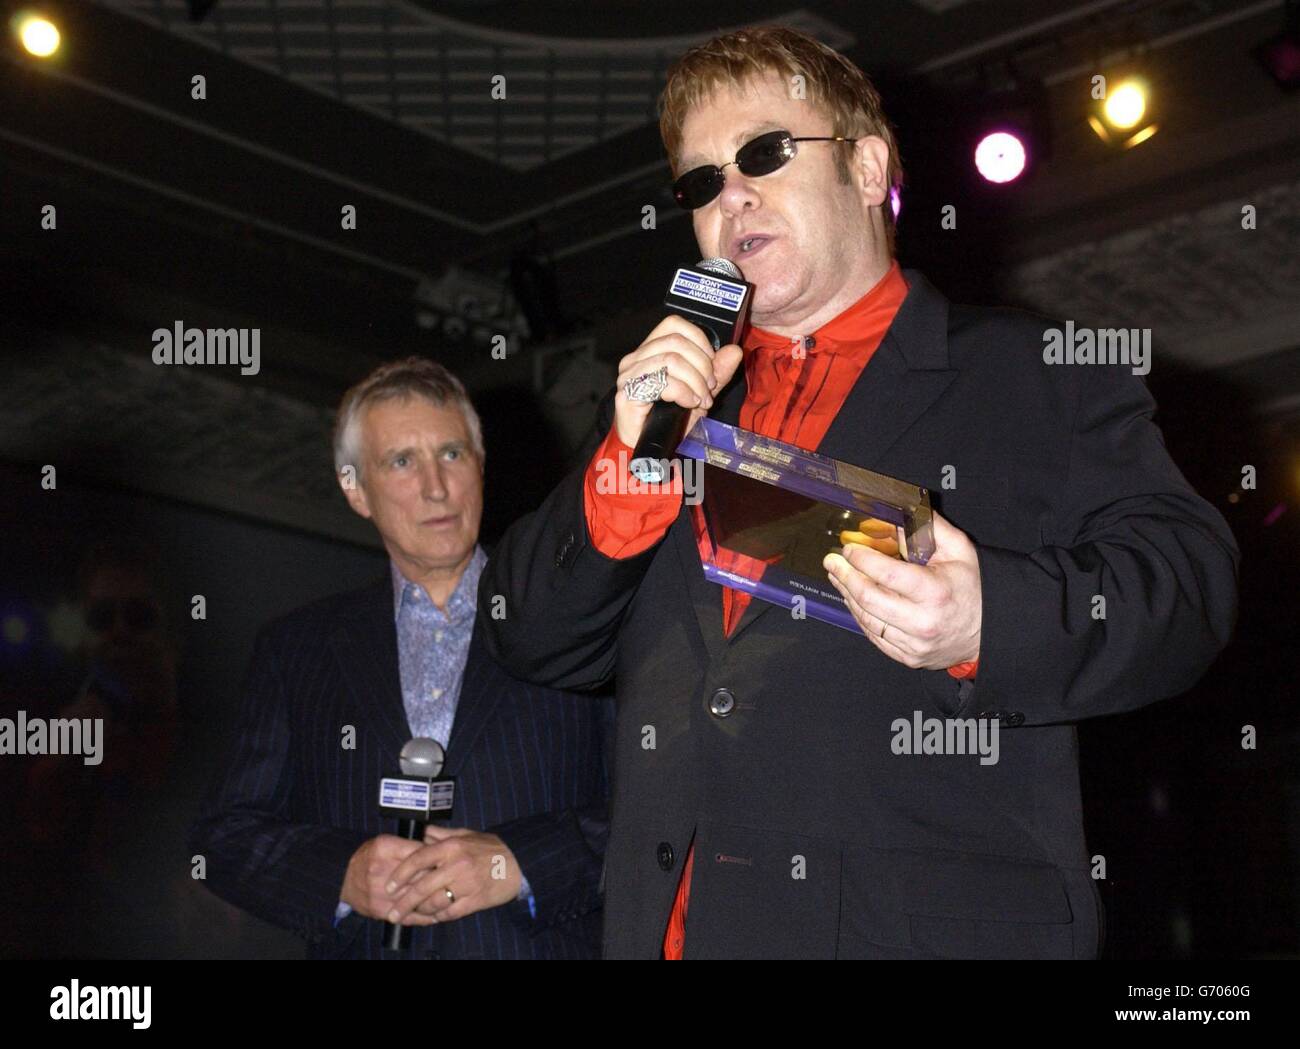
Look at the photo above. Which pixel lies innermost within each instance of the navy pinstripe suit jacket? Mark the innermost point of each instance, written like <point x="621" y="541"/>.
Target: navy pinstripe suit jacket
<point x="279" y="826"/>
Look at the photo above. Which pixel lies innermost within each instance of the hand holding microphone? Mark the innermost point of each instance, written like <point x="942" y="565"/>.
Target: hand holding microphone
<point x="695" y="372"/>
<point x="416" y="798"/>
<point x="668" y="382"/>
<point x="369" y="872"/>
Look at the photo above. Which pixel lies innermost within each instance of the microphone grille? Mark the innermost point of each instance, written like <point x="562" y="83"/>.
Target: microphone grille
<point x="422" y="757"/>
<point x="722" y="267"/>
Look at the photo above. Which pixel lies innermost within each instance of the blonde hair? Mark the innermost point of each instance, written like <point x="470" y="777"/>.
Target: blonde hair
<point x="834" y="84"/>
<point x="410" y="377"/>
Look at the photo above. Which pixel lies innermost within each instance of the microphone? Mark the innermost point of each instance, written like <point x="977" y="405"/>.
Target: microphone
<point x="416" y="799"/>
<point x="713" y="295"/>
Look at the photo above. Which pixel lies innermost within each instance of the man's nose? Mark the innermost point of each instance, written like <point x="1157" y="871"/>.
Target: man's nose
<point x="432" y="485"/>
<point x="738" y="193"/>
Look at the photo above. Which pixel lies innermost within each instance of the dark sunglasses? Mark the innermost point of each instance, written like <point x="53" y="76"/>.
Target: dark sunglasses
<point x="759" y="156"/>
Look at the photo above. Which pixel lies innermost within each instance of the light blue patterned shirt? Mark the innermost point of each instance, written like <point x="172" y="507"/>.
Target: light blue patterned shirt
<point x="433" y="646"/>
<point x="432" y="649"/>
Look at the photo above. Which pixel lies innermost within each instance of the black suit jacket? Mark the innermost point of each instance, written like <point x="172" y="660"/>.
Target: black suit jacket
<point x="280" y="825"/>
<point x="812" y="838"/>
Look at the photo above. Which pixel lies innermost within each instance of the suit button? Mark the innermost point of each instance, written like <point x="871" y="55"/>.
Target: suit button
<point x="722" y="703"/>
<point x="665" y="856"/>
<point x="1015" y="718"/>
<point x="988" y="715"/>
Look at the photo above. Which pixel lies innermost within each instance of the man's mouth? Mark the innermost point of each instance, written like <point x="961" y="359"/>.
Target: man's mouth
<point x="749" y="245"/>
<point x="439" y="522"/>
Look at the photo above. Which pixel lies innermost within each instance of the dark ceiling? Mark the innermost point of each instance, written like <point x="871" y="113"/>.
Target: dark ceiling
<point x="229" y="207"/>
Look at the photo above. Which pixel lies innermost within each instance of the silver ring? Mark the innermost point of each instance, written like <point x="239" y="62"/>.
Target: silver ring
<point x="646" y="389"/>
<point x="451" y="896"/>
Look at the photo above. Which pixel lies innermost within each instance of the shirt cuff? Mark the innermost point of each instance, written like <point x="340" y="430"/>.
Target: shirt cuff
<point x="625" y="516"/>
<point x="341" y="912"/>
<point x="526" y="893"/>
<point x="964" y="670"/>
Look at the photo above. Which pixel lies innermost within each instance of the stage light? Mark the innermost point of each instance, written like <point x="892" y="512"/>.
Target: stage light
<point x="1001" y="157"/>
<point x="39" y="36"/>
<point x="1121" y="120"/>
<point x="1007" y="124"/>
<point x="1125" y="105"/>
<point x="1139" y="137"/>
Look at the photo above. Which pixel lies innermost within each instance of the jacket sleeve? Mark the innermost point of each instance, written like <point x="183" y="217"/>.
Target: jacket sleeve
<point x="286" y="872"/>
<point x="563" y="853"/>
<point x="1134" y="595"/>
<point x="549" y="600"/>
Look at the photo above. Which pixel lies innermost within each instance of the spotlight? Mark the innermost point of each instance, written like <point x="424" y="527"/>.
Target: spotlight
<point x="1280" y="55"/>
<point x="1125" y="105"/>
<point x="1121" y="118"/>
<point x="39" y="36"/>
<point x="1001" y="157"/>
<point x="1010" y="131"/>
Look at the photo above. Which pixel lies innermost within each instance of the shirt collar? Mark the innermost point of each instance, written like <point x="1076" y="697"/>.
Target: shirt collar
<point x="869" y="315"/>
<point x="464" y="599"/>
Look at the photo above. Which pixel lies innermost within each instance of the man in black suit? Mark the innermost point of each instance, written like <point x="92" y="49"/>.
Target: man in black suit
<point x="762" y="805"/>
<point x="292" y="831"/>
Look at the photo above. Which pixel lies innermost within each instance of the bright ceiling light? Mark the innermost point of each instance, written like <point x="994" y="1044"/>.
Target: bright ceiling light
<point x="39" y="36"/>
<point x="1000" y="157"/>
<point x="1125" y="105"/>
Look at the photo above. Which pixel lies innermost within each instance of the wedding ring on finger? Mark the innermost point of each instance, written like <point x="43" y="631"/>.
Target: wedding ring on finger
<point x="451" y="896"/>
<point x="647" y="388"/>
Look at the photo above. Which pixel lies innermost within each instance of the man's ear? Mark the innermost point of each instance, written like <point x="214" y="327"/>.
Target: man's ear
<point x="871" y="169"/>
<point x="352" y="490"/>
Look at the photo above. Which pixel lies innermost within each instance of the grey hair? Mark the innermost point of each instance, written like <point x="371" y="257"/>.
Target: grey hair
<point x="410" y="377"/>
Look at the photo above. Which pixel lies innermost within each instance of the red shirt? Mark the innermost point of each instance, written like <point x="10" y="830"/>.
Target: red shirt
<point x="790" y="396"/>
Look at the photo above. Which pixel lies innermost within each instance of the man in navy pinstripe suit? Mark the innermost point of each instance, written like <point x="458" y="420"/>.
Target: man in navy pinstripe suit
<point x="292" y="831"/>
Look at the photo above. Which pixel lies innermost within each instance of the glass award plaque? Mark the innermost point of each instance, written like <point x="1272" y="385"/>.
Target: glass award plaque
<point x="770" y="512"/>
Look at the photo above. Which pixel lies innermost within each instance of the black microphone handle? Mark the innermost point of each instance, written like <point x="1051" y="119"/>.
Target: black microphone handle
<point x="665" y="426"/>
<point x="655" y="448"/>
<point x="398" y="937"/>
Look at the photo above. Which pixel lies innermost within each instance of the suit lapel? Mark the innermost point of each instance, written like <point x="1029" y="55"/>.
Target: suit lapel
<point x="481" y="688"/>
<point x="905" y="376"/>
<point x="365" y="644"/>
<point x="706" y="597"/>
